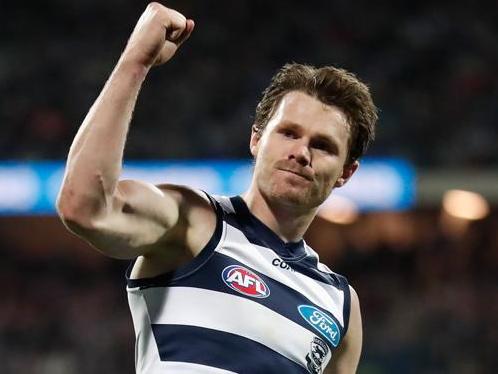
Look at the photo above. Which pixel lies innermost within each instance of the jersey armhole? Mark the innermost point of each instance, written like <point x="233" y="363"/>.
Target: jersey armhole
<point x="346" y="308"/>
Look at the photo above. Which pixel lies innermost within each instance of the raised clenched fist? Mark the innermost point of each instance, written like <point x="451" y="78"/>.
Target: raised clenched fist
<point x="156" y="37"/>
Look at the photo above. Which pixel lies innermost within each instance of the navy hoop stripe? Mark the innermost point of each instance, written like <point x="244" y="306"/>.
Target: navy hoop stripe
<point x="219" y="349"/>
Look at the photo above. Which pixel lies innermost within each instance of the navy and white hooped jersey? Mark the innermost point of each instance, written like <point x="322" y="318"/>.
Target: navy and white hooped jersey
<point x="248" y="303"/>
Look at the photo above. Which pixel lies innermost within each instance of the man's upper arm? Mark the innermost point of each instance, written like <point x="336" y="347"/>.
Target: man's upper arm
<point x="346" y="358"/>
<point x="136" y="218"/>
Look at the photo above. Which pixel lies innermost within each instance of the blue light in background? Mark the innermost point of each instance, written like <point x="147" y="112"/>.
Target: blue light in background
<point x="28" y="188"/>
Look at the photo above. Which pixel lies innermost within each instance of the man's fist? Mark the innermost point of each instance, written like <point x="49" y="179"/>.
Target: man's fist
<point x="156" y="37"/>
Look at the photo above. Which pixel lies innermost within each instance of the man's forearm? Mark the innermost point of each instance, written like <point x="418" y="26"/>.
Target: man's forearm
<point x="95" y="158"/>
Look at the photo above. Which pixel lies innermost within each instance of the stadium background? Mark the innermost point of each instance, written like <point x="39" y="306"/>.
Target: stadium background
<point x="427" y="280"/>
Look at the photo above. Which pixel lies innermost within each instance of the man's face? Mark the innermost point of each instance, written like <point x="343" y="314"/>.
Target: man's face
<point x="301" y="153"/>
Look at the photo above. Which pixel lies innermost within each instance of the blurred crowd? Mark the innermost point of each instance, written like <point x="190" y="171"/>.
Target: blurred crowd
<point x="431" y="66"/>
<point x="429" y="298"/>
<point x="428" y="287"/>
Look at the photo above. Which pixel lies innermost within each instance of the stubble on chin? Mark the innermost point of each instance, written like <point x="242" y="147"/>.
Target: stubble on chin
<point x="282" y="192"/>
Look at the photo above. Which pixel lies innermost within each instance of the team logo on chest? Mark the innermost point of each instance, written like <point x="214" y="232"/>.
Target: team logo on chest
<point x="317" y="356"/>
<point x="243" y="280"/>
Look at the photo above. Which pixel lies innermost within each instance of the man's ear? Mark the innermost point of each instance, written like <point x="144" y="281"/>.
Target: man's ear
<point x="255" y="137"/>
<point x="347" y="173"/>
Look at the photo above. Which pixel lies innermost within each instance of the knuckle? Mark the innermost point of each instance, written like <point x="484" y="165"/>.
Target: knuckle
<point x="153" y="6"/>
<point x="156" y="10"/>
<point x="179" y="18"/>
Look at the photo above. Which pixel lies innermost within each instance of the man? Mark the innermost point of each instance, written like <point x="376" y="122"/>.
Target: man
<point x="224" y="285"/>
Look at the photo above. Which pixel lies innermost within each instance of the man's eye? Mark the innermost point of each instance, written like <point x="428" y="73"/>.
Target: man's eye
<point x="323" y="146"/>
<point x="289" y="134"/>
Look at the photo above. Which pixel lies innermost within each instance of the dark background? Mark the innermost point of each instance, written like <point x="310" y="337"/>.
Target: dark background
<point x="428" y="293"/>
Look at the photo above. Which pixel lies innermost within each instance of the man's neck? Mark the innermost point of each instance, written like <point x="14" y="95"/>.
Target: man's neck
<point x="288" y="223"/>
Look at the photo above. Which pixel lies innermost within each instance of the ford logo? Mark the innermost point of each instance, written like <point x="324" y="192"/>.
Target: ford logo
<point x="321" y="322"/>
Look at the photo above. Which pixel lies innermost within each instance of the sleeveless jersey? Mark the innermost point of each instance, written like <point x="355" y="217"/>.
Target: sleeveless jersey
<point x="248" y="303"/>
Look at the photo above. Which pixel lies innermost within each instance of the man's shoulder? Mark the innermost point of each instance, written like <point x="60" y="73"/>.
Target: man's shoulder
<point x="197" y="216"/>
<point x="185" y="194"/>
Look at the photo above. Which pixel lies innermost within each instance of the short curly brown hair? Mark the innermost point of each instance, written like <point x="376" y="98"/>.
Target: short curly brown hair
<point x="332" y="86"/>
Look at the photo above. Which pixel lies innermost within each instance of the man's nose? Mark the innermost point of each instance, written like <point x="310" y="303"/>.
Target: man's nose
<point x="301" y="153"/>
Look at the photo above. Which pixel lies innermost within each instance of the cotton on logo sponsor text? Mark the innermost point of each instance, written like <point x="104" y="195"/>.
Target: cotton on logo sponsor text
<point x="281" y="264"/>
<point x="245" y="281"/>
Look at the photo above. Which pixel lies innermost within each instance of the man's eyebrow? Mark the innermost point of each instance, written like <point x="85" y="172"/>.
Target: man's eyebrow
<point x="290" y="124"/>
<point x="320" y="136"/>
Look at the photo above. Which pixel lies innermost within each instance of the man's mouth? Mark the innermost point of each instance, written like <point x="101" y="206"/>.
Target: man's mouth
<point x="300" y="174"/>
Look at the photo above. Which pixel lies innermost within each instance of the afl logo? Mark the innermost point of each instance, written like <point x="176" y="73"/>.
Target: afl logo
<point x="244" y="281"/>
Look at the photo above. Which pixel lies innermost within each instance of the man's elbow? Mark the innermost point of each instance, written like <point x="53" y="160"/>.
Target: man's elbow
<point x="76" y="212"/>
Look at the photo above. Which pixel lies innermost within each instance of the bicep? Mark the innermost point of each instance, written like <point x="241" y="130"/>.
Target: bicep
<point x="347" y="357"/>
<point x="135" y="219"/>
